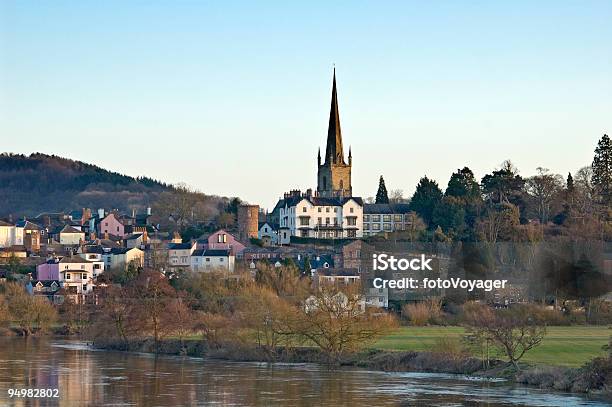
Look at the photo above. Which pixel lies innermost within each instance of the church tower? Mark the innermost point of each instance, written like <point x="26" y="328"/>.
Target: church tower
<point x="334" y="175"/>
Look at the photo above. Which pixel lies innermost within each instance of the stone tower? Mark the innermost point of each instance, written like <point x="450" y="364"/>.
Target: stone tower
<point x="248" y="217"/>
<point x="334" y="175"/>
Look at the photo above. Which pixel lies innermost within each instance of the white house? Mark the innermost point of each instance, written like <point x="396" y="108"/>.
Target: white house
<point x="10" y="235"/>
<point x="121" y="258"/>
<point x="304" y="215"/>
<point x="70" y="235"/>
<point x="267" y="233"/>
<point x="179" y="254"/>
<point x="212" y="259"/>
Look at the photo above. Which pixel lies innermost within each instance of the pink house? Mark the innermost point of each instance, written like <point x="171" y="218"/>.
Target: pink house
<point x="111" y="225"/>
<point x="223" y="240"/>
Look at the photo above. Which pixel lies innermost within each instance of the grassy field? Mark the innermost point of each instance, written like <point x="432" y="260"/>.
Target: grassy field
<point x="563" y="345"/>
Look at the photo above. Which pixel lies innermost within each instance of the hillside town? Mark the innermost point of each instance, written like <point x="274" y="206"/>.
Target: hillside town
<point x="325" y="233"/>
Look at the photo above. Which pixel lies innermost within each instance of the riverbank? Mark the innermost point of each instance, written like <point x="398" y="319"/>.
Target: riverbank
<point x="593" y="378"/>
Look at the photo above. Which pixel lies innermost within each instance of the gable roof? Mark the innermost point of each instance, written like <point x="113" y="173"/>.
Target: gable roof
<point x="70" y="229"/>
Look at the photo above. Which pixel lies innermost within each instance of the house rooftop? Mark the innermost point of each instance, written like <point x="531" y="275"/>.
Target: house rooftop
<point x="70" y="229"/>
<point x="217" y="252"/>
<point x="180" y="246"/>
<point x="386" y="209"/>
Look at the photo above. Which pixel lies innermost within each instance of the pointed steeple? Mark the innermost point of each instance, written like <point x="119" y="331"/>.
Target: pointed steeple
<point x="333" y="151"/>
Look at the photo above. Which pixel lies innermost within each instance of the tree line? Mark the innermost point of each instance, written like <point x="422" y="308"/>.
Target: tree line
<point x="502" y="203"/>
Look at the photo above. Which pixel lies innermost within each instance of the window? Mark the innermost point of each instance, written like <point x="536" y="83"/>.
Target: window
<point x="335" y="221"/>
<point x="221" y="259"/>
<point x="117" y="228"/>
<point x="387" y="226"/>
<point x="397" y="218"/>
<point x="304" y="221"/>
<point x="351" y="221"/>
<point x="84" y="287"/>
<point x="335" y="210"/>
<point x="327" y="221"/>
<point x="375" y="226"/>
<point x="105" y="223"/>
<point x="366" y="226"/>
<point x="352" y="233"/>
<point x="68" y="276"/>
<point x="84" y="277"/>
<point x="222" y="238"/>
<point x="327" y="209"/>
<point x="366" y="218"/>
<point x="318" y="220"/>
<point x="304" y="209"/>
<point x="208" y="259"/>
<point x="375" y="218"/>
<point x="386" y="218"/>
<point x="319" y="209"/>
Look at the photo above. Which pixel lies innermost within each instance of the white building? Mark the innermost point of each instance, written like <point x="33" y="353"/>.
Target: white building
<point x="121" y="258"/>
<point x="378" y="218"/>
<point x="10" y="235"/>
<point x="304" y="215"/>
<point x="212" y="259"/>
<point x="70" y="235"/>
<point x="267" y="233"/>
<point x="179" y="254"/>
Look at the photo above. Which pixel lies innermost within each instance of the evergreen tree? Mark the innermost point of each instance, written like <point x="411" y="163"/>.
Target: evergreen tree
<point x="427" y="196"/>
<point x="381" y="196"/>
<point x="463" y="184"/>
<point x="602" y="169"/>
<point x="570" y="183"/>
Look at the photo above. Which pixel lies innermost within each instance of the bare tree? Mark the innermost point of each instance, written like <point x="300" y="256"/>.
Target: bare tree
<point x="513" y="331"/>
<point x="335" y="319"/>
<point x="544" y="190"/>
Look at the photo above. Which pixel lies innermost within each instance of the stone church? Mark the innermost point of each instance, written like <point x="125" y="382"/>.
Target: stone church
<point x="331" y="212"/>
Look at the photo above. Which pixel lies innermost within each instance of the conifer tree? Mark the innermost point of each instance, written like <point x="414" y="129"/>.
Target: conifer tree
<point x="602" y="169"/>
<point x="427" y="196"/>
<point x="381" y="196"/>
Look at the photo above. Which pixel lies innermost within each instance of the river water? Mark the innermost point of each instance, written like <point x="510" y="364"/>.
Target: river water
<point x="86" y="377"/>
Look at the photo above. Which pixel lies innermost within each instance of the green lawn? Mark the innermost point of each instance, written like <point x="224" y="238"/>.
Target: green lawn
<point x="563" y="345"/>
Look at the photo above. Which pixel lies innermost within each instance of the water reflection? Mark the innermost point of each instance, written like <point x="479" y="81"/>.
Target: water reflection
<point x="89" y="377"/>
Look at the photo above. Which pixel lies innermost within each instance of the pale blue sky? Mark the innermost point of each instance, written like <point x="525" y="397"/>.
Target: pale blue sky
<point x="233" y="98"/>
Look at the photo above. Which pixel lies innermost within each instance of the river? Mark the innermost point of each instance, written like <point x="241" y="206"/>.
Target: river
<point x="83" y="376"/>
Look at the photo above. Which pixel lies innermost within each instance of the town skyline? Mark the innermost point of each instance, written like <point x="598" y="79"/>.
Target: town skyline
<point x="195" y="104"/>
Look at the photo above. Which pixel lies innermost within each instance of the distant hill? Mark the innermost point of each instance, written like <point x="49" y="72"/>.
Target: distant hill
<point x="39" y="183"/>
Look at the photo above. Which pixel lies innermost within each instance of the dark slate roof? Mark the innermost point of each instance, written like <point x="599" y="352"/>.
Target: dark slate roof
<point x="198" y="253"/>
<point x="180" y="246"/>
<point x="46" y="283"/>
<point x="320" y="201"/>
<point x="93" y="249"/>
<point x="314" y="263"/>
<point x="119" y="250"/>
<point x="133" y="236"/>
<point x="385" y="208"/>
<point x="217" y="252"/>
<point x="27" y="225"/>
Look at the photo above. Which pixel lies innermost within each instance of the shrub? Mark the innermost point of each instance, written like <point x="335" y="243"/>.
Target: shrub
<point x="450" y="347"/>
<point x="422" y="313"/>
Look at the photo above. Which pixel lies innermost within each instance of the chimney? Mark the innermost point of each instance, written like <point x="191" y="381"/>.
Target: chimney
<point x="149" y="211"/>
<point x="101" y="213"/>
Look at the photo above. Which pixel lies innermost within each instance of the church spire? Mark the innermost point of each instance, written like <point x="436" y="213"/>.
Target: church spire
<point x="333" y="151"/>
